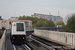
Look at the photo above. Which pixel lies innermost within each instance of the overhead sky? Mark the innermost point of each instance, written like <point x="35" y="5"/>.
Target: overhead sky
<point x="16" y="8"/>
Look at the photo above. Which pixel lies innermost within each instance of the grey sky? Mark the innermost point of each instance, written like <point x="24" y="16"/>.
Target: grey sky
<point x="16" y="8"/>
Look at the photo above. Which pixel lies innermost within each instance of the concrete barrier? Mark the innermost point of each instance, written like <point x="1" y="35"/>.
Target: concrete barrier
<point x="2" y="41"/>
<point x="63" y="38"/>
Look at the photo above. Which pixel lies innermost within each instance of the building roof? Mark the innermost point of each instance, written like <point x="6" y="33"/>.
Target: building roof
<point x="15" y="20"/>
<point x="19" y="20"/>
<point x="3" y="20"/>
<point x="36" y="14"/>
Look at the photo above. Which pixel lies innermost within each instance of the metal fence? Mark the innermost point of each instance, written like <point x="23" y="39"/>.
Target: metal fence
<point x="49" y="28"/>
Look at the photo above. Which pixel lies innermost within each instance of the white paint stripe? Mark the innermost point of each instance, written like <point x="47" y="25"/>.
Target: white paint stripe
<point x="28" y="47"/>
<point x="14" y="47"/>
<point x="41" y="43"/>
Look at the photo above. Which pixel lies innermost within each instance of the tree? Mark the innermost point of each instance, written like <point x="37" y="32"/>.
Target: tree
<point x="66" y="18"/>
<point x="71" y="23"/>
<point x="3" y="28"/>
<point x="34" y="19"/>
<point x="45" y="23"/>
<point x="38" y="22"/>
<point x="0" y="18"/>
<point x="50" y="23"/>
<point x="59" y="23"/>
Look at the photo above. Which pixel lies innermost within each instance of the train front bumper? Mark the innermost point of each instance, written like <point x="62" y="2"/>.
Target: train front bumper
<point x="18" y="42"/>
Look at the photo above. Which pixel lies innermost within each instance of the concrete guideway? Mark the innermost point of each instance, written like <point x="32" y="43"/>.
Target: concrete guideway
<point x="42" y="44"/>
<point x="8" y="42"/>
<point x="21" y="47"/>
<point x="63" y="38"/>
<point x="5" y="43"/>
<point x="2" y="41"/>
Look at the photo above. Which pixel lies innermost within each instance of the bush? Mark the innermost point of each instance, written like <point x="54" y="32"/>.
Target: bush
<point x="3" y="28"/>
<point x="71" y="24"/>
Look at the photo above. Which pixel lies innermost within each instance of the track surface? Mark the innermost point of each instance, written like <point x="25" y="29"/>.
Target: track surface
<point x="31" y="44"/>
<point x="8" y="42"/>
<point x="21" y="47"/>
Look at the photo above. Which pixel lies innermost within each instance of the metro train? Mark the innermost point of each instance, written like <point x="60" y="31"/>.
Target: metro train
<point x="18" y="32"/>
<point x="63" y="38"/>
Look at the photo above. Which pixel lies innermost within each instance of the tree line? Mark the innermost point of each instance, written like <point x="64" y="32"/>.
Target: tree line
<point x="41" y="22"/>
<point x="38" y="22"/>
<point x="1" y="18"/>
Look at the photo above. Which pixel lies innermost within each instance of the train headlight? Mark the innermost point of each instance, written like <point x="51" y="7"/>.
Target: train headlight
<point x="13" y="37"/>
<point x="23" y="38"/>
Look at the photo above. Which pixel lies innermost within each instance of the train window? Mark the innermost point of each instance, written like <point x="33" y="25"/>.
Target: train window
<point x="20" y="27"/>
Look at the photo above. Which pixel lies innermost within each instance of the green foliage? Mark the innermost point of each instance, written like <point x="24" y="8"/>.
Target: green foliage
<point x="71" y="23"/>
<point x="45" y="23"/>
<point x="34" y="19"/>
<point x="0" y="18"/>
<point x="59" y="23"/>
<point x="3" y="28"/>
<point x="38" y="22"/>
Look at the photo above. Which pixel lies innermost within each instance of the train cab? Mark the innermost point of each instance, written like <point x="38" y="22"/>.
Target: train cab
<point x="18" y="32"/>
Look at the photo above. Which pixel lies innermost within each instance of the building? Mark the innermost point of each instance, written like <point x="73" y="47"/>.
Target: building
<point x="7" y="23"/>
<point x="13" y="18"/>
<point x="48" y="17"/>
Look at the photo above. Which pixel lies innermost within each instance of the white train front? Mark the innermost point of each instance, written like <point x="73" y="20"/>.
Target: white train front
<point x="18" y="32"/>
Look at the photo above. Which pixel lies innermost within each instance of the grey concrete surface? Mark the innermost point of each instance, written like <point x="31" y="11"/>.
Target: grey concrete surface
<point x="2" y="41"/>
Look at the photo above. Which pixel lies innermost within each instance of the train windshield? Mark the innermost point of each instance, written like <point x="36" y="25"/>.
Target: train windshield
<point x="20" y="27"/>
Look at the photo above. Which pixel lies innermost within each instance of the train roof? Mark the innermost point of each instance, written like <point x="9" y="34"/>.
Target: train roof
<point x="18" y="22"/>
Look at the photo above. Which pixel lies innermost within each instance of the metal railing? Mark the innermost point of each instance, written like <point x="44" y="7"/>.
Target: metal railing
<point x="29" y="29"/>
<point x="49" y="28"/>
